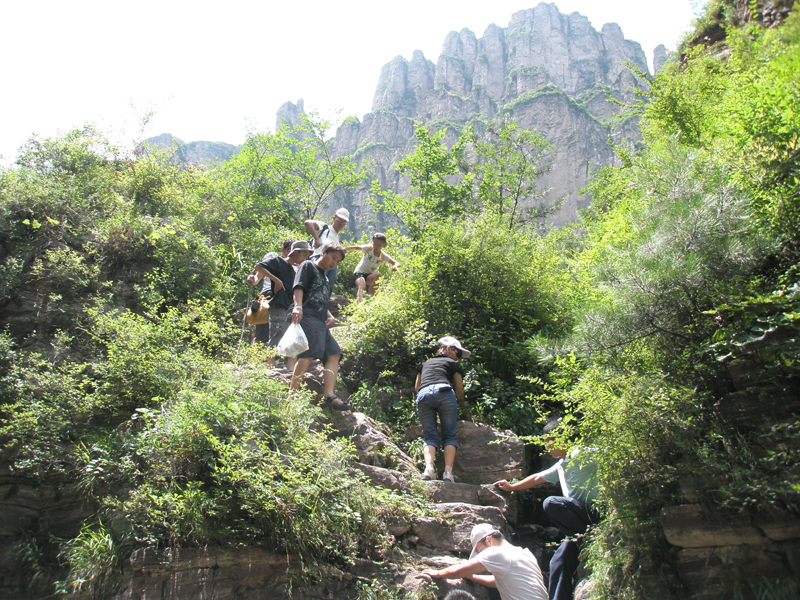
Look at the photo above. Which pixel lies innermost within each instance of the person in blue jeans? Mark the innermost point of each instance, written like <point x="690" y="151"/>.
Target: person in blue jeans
<point x="439" y="386"/>
<point x="573" y="511"/>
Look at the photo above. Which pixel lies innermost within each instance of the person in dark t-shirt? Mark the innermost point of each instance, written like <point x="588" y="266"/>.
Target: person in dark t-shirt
<point x="279" y="273"/>
<point x="312" y="292"/>
<point x="438" y="384"/>
<point x="262" y="329"/>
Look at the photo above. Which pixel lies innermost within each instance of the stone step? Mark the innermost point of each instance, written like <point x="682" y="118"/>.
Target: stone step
<point x="484" y="454"/>
<point x="449" y="530"/>
<point x="466" y="493"/>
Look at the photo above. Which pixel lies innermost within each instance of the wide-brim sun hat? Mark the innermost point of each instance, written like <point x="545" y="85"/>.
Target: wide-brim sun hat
<point x="449" y="340"/>
<point x="478" y="533"/>
<point x="301" y="246"/>
<point x="343" y="213"/>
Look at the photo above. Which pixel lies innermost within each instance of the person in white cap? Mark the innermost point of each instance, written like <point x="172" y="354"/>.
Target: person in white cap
<point x="513" y="570"/>
<point x="322" y="234"/>
<point x="439" y="384"/>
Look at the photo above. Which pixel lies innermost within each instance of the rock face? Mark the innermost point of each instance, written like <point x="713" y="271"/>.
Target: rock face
<point x="194" y="153"/>
<point x="718" y="552"/>
<point x="433" y="538"/>
<point x="550" y="72"/>
<point x="484" y="454"/>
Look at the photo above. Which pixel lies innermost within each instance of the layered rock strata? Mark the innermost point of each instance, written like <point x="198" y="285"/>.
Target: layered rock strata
<point x="552" y="73"/>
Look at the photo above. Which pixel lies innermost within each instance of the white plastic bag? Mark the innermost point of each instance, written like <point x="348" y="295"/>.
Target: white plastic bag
<point x="293" y="342"/>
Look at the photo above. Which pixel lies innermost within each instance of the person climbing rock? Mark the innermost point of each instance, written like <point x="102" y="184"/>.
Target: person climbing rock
<point x="438" y="384"/>
<point x="323" y="234"/>
<point x="366" y="273"/>
<point x="573" y="511"/>
<point x="312" y="293"/>
<point x="513" y="570"/>
<point x="262" y="329"/>
<point x="280" y="273"/>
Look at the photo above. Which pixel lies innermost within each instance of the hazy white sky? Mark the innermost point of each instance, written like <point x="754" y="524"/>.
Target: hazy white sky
<point x="210" y="70"/>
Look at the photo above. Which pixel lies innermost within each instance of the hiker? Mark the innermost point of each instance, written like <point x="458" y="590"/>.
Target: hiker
<point x="438" y="384"/>
<point x="280" y="272"/>
<point x="322" y="234"/>
<point x="573" y="511"/>
<point x="366" y="273"/>
<point x="311" y="296"/>
<point x="513" y="570"/>
<point x="262" y="329"/>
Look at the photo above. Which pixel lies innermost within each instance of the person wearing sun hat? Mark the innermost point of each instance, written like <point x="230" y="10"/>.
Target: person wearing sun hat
<point x="439" y="386"/>
<point x="512" y="570"/>
<point x="279" y="272"/>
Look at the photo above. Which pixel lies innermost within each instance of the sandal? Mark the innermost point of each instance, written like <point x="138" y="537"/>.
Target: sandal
<point x="329" y="402"/>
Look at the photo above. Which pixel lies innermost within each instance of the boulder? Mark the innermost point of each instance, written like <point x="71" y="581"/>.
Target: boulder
<point x="373" y="444"/>
<point x="484" y="454"/>
<point x="690" y="526"/>
<point x="385" y="478"/>
<point x="450" y="530"/>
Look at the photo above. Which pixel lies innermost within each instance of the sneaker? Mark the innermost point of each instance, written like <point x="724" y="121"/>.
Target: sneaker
<point x="429" y="473"/>
<point x="448" y="476"/>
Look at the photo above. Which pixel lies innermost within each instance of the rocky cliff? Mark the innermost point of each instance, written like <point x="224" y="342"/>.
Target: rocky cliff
<point x="193" y="153"/>
<point x="551" y="72"/>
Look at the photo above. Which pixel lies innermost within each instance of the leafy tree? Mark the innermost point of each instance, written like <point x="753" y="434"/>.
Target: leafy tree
<point x="507" y="162"/>
<point x="306" y="172"/>
<point x="432" y="167"/>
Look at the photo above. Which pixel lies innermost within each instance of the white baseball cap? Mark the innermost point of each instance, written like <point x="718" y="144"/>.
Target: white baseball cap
<point x="478" y="533"/>
<point x="343" y="213"/>
<point x="449" y="340"/>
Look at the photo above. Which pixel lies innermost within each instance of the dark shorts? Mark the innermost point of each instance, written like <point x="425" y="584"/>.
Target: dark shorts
<point x="262" y="332"/>
<point x="321" y="344"/>
<point x="358" y="275"/>
<point x="279" y="321"/>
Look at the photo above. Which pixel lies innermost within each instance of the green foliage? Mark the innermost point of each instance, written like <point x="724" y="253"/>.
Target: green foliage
<point x="300" y="168"/>
<point x="94" y="560"/>
<point x="508" y="160"/>
<point x="489" y="289"/>
<point x="433" y="199"/>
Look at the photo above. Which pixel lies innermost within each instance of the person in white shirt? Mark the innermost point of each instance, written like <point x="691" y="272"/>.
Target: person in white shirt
<point x="366" y="273"/>
<point x="512" y="570"/>
<point x="322" y="234"/>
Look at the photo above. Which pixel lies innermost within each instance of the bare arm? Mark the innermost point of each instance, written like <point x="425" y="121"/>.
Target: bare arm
<point x="297" y="311"/>
<point x="349" y="248"/>
<point x="312" y="228"/>
<point x="487" y="580"/>
<point x="458" y="386"/>
<point x="465" y="569"/>
<point x="528" y="482"/>
<point x="417" y="382"/>
<point x="254" y="278"/>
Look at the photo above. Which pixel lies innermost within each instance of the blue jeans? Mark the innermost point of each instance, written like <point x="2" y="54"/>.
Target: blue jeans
<point x="573" y="517"/>
<point x="332" y="274"/>
<point x="433" y="400"/>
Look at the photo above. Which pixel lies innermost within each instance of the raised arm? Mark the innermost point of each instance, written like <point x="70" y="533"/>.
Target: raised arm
<point x="312" y="227"/>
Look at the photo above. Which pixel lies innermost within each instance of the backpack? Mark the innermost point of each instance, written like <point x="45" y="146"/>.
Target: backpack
<point x="322" y="230"/>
